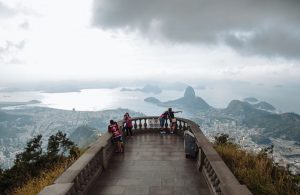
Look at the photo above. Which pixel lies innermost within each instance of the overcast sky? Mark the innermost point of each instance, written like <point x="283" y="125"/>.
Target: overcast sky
<point x="242" y="40"/>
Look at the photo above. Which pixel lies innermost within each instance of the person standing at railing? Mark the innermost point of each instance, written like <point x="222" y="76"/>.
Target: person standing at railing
<point x="162" y="120"/>
<point x="173" y="121"/>
<point x="128" y="124"/>
<point x="113" y="128"/>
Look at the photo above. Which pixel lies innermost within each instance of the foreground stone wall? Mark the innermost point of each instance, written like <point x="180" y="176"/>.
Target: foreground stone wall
<point x="220" y="179"/>
<point x="78" y="177"/>
<point x="218" y="176"/>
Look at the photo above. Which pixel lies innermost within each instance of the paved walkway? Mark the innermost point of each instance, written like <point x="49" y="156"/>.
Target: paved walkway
<point x="152" y="164"/>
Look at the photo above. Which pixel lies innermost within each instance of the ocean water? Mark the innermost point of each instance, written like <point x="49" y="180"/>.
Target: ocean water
<point x="103" y="99"/>
<point x="93" y="100"/>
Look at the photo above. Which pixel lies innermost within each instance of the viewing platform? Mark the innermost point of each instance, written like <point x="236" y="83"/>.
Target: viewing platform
<point x="152" y="164"/>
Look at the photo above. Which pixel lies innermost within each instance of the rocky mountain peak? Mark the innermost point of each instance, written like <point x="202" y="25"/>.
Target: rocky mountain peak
<point x="189" y="93"/>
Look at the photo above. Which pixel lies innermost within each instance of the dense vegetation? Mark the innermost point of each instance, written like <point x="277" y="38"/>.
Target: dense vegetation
<point x="84" y="135"/>
<point x="33" y="163"/>
<point x="257" y="171"/>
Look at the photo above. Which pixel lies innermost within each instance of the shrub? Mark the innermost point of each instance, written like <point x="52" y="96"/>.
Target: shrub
<point x="46" y="177"/>
<point x="33" y="162"/>
<point x="256" y="171"/>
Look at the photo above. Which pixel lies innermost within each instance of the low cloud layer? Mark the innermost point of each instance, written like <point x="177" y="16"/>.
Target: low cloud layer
<point x="253" y="27"/>
<point x="5" y="11"/>
<point x="9" y="51"/>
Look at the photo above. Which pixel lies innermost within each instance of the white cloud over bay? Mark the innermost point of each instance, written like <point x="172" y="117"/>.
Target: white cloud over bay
<point x="180" y="40"/>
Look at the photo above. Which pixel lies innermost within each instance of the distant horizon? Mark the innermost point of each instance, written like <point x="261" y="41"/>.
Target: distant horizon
<point x="247" y="48"/>
<point x="216" y="95"/>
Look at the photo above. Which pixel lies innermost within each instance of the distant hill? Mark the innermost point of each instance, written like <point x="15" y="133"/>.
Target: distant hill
<point x="253" y="115"/>
<point x="84" y="136"/>
<point x="286" y="126"/>
<point x="152" y="100"/>
<point x="264" y="106"/>
<point x="146" y="89"/>
<point x="7" y="104"/>
<point x="251" y="100"/>
<point x="21" y="124"/>
<point x="189" y="101"/>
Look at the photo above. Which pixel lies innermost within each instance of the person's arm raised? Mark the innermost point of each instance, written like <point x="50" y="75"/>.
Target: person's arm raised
<point x="178" y="111"/>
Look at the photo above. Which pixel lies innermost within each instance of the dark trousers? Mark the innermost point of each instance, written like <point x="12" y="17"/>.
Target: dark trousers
<point x="128" y="130"/>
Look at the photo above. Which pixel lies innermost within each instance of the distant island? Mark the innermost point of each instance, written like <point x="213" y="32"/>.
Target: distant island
<point x="251" y="100"/>
<point x="188" y="102"/>
<point x="258" y="114"/>
<point x="146" y="89"/>
<point x="10" y="89"/>
<point x="7" y="104"/>
<point x="260" y="105"/>
<point x="62" y="90"/>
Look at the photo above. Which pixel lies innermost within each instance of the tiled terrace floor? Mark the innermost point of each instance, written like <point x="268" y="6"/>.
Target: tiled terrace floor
<point x="152" y="164"/>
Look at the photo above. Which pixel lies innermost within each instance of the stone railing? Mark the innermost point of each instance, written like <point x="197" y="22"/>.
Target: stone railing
<point x="220" y="179"/>
<point x="77" y="178"/>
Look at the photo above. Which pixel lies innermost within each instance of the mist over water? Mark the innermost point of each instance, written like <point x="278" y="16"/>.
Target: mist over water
<point x="219" y="96"/>
<point x="94" y="100"/>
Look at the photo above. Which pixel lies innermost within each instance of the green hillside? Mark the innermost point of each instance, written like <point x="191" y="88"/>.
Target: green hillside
<point x="286" y="125"/>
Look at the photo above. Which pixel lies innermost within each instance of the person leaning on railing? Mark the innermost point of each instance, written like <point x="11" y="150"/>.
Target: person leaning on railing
<point x="127" y="120"/>
<point x="162" y="120"/>
<point x="173" y="121"/>
<point x="113" y="128"/>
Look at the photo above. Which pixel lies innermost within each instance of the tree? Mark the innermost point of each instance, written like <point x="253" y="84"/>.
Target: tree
<point x="59" y="146"/>
<point x="221" y="139"/>
<point x="33" y="152"/>
<point x="27" y="164"/>
<point x="32" y="161"/>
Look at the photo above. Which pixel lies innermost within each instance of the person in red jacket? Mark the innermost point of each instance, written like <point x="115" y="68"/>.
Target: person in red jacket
<point x="113" y="128"/>
<point x="128" y="124"/>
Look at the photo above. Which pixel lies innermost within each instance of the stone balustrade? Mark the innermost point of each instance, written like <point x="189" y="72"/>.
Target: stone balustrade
<point x="77" y="178"/>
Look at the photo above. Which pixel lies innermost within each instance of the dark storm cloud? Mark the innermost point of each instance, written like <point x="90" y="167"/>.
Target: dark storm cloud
<point x="268" y="42"/>
<point x="263" y="27"/>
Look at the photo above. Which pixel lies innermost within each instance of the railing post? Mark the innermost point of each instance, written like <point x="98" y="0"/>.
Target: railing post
<point x="135" y="125"/>
<point x="180" y="125"/>
<point x="145" y="123"/>
<point x="140" y="124"/>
